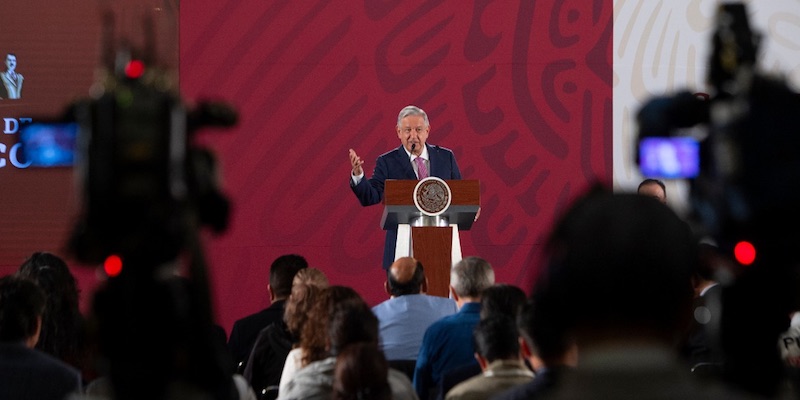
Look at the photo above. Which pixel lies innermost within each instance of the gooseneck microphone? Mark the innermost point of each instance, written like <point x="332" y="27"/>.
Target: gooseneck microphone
<point x="413" y="146"/>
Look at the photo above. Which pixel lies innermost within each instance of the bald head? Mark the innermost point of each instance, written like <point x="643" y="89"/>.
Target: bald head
<point x="405" y="276"/>
<point x="653" y="188"/>
<point x="402" y="270"/>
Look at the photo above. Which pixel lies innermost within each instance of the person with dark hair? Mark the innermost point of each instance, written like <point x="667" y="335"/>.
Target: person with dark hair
<point x="361" y="370"/>
<point x="349" y="320"/>
<point x="653" y="188"/>
<point x="414" y="159"/>
<point x="700" y="346"/>
<point x="25" y="373"/>
<point x="500" y="300"/>
<point x="246" y="330"/>
<point x="497" y="351"/>
<point x="409" y="312"/>
<point x="549" y="350"/>
<point x="618" y="279"/>
<point x="276" y="348"/>
<point x="447" y="343"/>
<point x="189" y="338"/>
<point x="62" y="333"/>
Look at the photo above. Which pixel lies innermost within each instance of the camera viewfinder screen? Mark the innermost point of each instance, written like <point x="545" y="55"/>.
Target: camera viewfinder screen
<point x="49" y="144"/>
<point x="669" y="158"/>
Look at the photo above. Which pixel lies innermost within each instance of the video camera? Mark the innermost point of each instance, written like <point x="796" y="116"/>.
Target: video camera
<point x="746" y="191"/>
<point x="142" y="182"/>
<point x="746" y="185"/>
<point x="145" y="192"/>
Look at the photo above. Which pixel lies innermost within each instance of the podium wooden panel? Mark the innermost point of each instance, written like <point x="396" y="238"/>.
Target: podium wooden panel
<point x="432" y="245"/>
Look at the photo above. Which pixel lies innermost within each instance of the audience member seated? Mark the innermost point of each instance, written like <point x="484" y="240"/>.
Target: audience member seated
<point x="349" y="321"/>
<point x="447" y="343"/>
<point x="161" y="344"/>
<point x="701" y="345"/>
<point x="550" y="351"/>
<point x="267" y="361"/>
<point x="498" y="300"/>
<point x="497" y="352"/>
<point x="314" y="344"/>
<point x="246" y="330"/>
<point x="26" y="373"/>
<point x="404" y="318"/>
<point x="62" y="333"/>
<point x="618" y="278"/>
<point x="653" y="188"/>
<point x="361" y="373"/>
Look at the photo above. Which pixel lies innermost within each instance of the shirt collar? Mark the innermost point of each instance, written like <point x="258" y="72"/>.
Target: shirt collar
<point x="423" y="155"/>
<point x="703" y="292"/>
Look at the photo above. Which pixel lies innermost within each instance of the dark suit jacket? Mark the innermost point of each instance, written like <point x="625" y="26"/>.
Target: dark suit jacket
<point x="245" y="331"/>
<point x="265" y="365"/>
<point x="700" y="346"/>
<point x="396" y="164"/>
<point x="31" y="374"/>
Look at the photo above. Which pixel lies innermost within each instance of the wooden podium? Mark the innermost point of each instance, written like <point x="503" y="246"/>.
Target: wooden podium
<point x="434" y="241"/>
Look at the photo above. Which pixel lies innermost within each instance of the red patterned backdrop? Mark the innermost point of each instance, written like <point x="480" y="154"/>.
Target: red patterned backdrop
<point x="521" y="91"/>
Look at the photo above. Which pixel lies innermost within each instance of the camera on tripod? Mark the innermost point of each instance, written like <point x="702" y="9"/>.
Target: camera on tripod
<point x="144" y="186"/>
<point x="745" y="186"/>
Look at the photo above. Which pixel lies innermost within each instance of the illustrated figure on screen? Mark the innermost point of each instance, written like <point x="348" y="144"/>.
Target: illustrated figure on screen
<point x="12" y="81"/>
<point x="412" y="129"/>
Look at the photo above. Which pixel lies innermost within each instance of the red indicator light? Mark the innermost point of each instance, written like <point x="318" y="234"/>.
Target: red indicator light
<point x="134" y="69"/>
<point x="745" y="253"/>
<point x="113" y="265"/>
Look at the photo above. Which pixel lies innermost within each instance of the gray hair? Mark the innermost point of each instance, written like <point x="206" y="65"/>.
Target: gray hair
<point x="412" y="110"/>
<point x="470" y="276"/>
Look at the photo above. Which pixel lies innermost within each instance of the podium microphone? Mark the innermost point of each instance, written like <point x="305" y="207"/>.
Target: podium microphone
<point x="413" y="146"/>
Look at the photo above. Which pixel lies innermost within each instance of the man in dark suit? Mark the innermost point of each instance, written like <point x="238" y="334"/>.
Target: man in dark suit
<point x="550" y="351"/>
<point x="414" y="159"/>
<point x="26" y="373"/>
<point x="245" y="331"/>
<point x="701" y="346"/>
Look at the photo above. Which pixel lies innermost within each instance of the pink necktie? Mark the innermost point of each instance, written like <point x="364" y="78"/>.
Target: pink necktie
<point x="422" y="172"/>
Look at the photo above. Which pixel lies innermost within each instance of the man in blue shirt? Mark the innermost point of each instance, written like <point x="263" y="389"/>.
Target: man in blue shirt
<point x="409" y="312"/>
<point x="448" y="342"/>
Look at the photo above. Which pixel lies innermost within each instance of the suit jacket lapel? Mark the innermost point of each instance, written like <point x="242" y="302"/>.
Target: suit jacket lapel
<point x="432" y="166"/>
<point x="405" y="161"/>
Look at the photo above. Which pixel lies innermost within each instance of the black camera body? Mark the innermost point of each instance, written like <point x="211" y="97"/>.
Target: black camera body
<point x="143" y="185"/>
<point x="747" y="191"/>
<point x="746" y="186"/>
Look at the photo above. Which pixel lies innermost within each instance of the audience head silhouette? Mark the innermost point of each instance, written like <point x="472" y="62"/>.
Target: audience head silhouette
<point x="502" y="299"/>
<point x="495" y="338"/>
<point x="306" y="286"/>
<point x="22" y="305"/>
<point x="361" y="371"/>
<point x="62" y="321"/>
<point x="470" y="277"/>
<point x="406" y="276"/>
<point x="315" y="337"/>
<point x="281" y="274"/>
<point x="653" y="188"/>
<point x="619" y="267"/>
